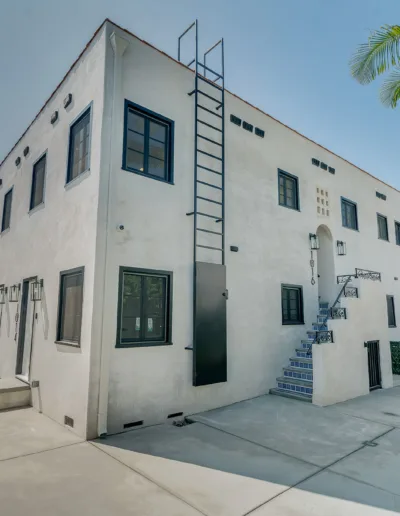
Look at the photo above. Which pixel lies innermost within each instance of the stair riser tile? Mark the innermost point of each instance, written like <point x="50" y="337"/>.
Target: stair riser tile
<point x="295" y="388"/>
<point x="300" y="376"/>
<point x="303" y="354"/>
<point x="302" y="365"/>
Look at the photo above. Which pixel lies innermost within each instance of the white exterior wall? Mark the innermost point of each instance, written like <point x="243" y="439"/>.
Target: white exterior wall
<point x="149" y="383"/>
<point x="56" y="236"/>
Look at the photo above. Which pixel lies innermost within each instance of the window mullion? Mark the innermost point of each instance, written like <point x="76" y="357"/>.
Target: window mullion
<point x="142" y="314"/>
<point x="146" y="145"/>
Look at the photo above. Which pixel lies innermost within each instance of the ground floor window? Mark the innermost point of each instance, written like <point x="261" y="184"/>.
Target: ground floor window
<point x="70" y="306"/>
<point x="144" y="307"/>
<point x="292" y="304"/>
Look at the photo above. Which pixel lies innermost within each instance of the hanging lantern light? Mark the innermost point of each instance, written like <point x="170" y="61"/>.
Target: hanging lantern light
<point x="314" y="242"/>
<point x="3" y="293"/>
<point x="341" y="248"/>
<point x="14" y="292"/>
<point x="36" y="290"/>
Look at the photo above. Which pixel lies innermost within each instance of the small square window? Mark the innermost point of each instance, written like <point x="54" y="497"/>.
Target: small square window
<point x="292" y="304"/>
<point x="326" y="193"/>
<point x="327" y="213"/>
<point x="38" y="176"/>
<point x="6" y="219"/>
<point x="317" y="190"/>
<point x="322" y="201"/>
<point x="70" y="306"/>
<point x="144" y="309"/>
<point x="322" y="192"/>
<point x="391" y="311"/>
<point x="327" y="203"/>
<point x="79" y="146"/>
<point x="382" y="227"/>
<point x="323" y="211"/>
<point x="288" y="190"/>
<point x="318" y="199"/>
<point x="349" y="214"/>
<point x="318" y="209"/>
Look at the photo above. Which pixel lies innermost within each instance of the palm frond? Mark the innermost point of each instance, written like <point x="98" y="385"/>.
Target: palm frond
<point x="390" y="91"/>
<point x="376" y="56"/>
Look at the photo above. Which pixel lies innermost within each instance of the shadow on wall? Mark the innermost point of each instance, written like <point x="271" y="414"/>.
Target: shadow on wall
<point x="45" y="314"/>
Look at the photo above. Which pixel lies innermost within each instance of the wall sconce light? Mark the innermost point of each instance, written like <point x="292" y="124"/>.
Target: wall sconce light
<point x="3" y="293"/>
<point x="36" y="291"/>
<point x="341" y="248"/>
<point x="13" y="295"/>
<point x="314" y="242"/>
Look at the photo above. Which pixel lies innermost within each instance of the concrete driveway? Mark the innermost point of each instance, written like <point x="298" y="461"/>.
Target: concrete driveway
<point x="266" y="456"/>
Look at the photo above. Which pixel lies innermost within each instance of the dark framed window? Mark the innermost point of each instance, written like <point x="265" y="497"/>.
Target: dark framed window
<point x="349" y="214"/>
<point x="79" y="146"/>
<point x="397" y="232"/>
<point x="148" y="143"/>
<point x="288" y="190"/>
<point x="7" y="204"/>
<point x="391" y="311"/>
<point x="383" y="233"/>
<point x="144" y="307"/>
<point x="70" y="306"/>
<point x="38" y="176"/>
<point x="292" y="304"/>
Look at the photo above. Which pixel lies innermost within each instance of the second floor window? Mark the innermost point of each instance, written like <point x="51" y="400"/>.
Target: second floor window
<point x="382" y="227"/>
<point x="38" y="175"/>
<point x="148" y="145"/>
<point x="349" y="214"/>
<point x="6" y="219"/>
<point x="391" y="312"/>
<point x="397" y="231"/>
<point x="79" y="146"/>
<point x="288" y="190"/>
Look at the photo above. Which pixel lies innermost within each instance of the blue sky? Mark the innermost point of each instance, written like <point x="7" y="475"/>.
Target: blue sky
<point x="288" y="57"/>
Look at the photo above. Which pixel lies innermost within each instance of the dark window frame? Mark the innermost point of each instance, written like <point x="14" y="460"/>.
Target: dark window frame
<point x="63" y="274"/>
<point x="11" y="193"/>
<point x="168" y="308"/>
<point x="347" y="202"/>
<point x="379" y="216"/>
<point x="147" y="114"/>
<point x="397" y="231"/>
<point x="300" y="320"/>
<point x="391" y="322"/>
<point x="33" y="181"/>
<point x="295" y="179"/>
<point x="79" y="118"/>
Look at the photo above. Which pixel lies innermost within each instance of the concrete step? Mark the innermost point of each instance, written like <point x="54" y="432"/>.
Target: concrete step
<point x="298" y="372"/>
<point x="287" y="394"/>
<point x="324" y="305"/>
<point x="303" y="363"/>
<point x="295" y="385"/>
<point x="14" y="393"/>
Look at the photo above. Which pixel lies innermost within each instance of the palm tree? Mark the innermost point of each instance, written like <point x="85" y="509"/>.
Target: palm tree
<point x="374" y="58"/>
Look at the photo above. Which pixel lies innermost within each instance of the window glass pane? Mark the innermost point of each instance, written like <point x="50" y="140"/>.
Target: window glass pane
<point x="38" y="182"/>
<point x="71" y="311"/>
<point x="391" y="312"/>
<point x="156" y="167"/>
<point x="135" y="122"/>
<point x="135" y="141"/>
<point x="7" y="211"/>
<point x="156" y="149"/>
<point x="135" y="160"/>
<point x="291" y="304"/>
<point x="157" y="131"/>
<point x="79" y="147"/>
<point x="382" y="228"/>
<point x="131" y="308"/>
<point x="154" y="307"/>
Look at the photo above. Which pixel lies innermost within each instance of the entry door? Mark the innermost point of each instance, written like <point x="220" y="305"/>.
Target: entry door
<point x="374" y="365"/>
<point x="26" y="327"/>
<point x="209" y="343"/>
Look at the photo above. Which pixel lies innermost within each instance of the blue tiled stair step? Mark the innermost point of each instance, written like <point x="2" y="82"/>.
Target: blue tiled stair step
<point x="320" y="327"/>
<point x="305" y="344"/>
<point x="291" y="394"/>
<point x="295" y="385"/>
<point x="324" y="305"/>
<point x="303" y="353"/>
<point x="298" y="372"/>
<point x="302" y="363"/>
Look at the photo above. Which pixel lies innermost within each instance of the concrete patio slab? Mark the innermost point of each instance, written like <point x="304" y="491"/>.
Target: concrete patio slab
<point x="379" y="466"/>
<point x="214" y="472"/>
<point x="382" y="406"/>
<point x="309" y="433"/>
<point x="329" y="494"/>
<point x="81" y="480"/>
<point x="25" y="431"/>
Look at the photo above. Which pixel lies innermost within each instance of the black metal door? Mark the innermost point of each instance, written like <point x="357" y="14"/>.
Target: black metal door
<point x="22" y="326"/>
<point x="374" y="365"/>
<point x="209" y="336"/>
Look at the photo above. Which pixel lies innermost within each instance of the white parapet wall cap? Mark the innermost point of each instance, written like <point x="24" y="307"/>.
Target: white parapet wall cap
<point x="119" y="44"/>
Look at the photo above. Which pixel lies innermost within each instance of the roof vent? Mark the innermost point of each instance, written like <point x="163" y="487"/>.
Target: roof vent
<point x="26" y="151"/>
<point x="67" y="100"/>
<point x="18" y="161"/>
<point x="54" y="117"/>
<point x="259" y="132"/>
<point x="248" y="127"/>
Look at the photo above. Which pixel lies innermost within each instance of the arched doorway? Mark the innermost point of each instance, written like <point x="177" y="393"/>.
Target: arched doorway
<point x="325" y="265"/>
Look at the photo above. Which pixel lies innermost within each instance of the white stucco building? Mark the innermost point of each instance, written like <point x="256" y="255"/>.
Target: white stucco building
<point x="110" y="319"/>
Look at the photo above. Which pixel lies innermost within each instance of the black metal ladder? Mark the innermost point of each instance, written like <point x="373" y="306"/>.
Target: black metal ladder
<point x="209" y="153"/>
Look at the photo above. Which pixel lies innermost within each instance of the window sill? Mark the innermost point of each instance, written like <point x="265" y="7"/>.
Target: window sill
<point x="36" y="208"/>
<point x="289" y="207"/>
<point x="351" y="229"/>
<point x="292" y="323"/>
<point x="384" y="239"/>
<point x="68" y="343"/>
<point x="393" y="326"/>
<point x="147" y="175"/>
<point x="5" y="231"/>
<point x="77" y="179"/>
<point x="145" y="344"/>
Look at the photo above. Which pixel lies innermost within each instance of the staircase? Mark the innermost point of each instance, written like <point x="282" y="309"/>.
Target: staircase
<point x="297" y="379"/>
<point x="14" y="394"/>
